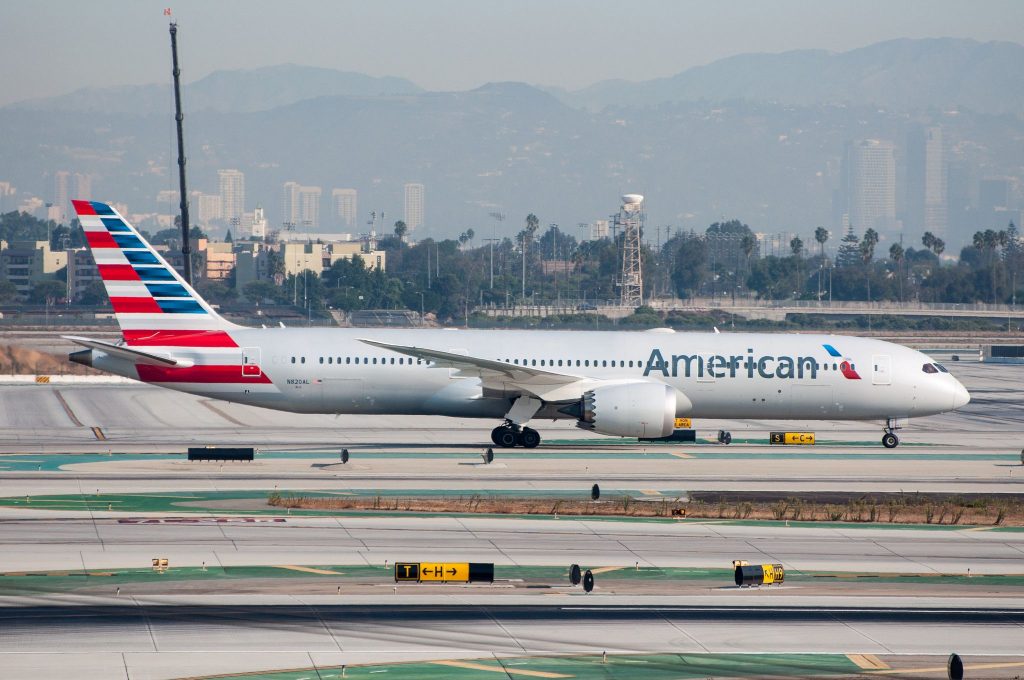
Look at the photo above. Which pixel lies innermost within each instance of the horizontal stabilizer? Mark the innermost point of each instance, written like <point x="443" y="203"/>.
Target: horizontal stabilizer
<point x="130" y="354"/>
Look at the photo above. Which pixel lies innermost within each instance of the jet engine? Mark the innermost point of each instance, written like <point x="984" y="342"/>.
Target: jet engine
<point x="631" y="410"/>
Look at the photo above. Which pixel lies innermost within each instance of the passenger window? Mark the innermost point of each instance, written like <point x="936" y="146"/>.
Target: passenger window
<point x="559" y="362"/>
<point x="348" y="360"/>
<point x="928" y="368"/>
<point x="321" y="360"/>
<point x="586" y="362"/>
<point x="604" y="363"/>
<point x="293" y="360"/>
<point x="303" y="360"/>
<point x="631" y="364"/>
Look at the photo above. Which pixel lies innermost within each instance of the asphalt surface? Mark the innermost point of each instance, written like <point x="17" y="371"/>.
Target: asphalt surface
<point x="182" y="633"/>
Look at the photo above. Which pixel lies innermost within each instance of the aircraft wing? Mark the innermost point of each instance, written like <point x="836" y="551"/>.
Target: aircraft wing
<point x="131" y="354"/>
<point x="499" y="375"/>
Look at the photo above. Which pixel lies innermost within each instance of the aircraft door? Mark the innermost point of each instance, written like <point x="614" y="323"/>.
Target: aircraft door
<point x="251" y="362"/>
<point x="881" y="369"/>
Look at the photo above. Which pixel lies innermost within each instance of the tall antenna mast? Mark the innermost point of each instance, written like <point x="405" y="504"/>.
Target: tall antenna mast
<point x="186" y="247"/>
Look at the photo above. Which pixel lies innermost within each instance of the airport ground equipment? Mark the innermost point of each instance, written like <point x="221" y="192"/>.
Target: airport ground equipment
<point x="724" y="437"/>
<point x="595" y="491"/>
<point x="758" y="574"/>
<point x="686" y="436"/>
<point x="236" y="453"/>
<point x="444" y="572"/>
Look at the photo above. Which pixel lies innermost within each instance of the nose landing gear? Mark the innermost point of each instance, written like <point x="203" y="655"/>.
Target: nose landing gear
<point x="511" y="435"/>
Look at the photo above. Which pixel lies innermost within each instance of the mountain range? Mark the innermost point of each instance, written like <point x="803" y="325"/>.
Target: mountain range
<point x="757" y="137"/>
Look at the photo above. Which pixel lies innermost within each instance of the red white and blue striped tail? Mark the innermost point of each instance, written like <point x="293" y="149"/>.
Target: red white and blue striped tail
<point x="153" y="304"/>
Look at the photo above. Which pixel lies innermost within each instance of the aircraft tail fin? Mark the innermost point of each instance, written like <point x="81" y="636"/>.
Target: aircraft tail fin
<point x="152" y="302"/>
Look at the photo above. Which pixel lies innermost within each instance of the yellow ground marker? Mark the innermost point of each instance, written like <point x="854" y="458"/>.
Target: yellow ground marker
<point x="605" y="570"/>
<point x="500" y="669"/>
<point x="942" y="669"/>
<point x="868" y="661"/>
<point x="679" y="455"/>
<point x="980" y="529"/>
<point x="650" y="492"/>
<point x="309" y="570"/>
<point x="98" y="433"/>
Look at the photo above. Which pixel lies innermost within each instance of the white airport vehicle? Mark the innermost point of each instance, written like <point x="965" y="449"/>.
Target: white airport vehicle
<point x="619" y="383"/>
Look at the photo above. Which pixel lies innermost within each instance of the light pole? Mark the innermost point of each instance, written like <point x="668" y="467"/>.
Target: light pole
<point x="498" y="218"/>
<point x="491" y="242"/>
<point x="70" y="257"/>
<point x="524" y="268"/>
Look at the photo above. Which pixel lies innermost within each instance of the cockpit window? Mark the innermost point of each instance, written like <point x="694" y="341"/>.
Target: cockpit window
<point x="929" y="368"/>
<point x="941" y="368"/>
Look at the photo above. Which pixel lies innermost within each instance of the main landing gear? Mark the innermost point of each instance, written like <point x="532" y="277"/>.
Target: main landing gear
<point x="511" y="435"/>
<point x="889" y="439"/>
<point x="724" y="437"/>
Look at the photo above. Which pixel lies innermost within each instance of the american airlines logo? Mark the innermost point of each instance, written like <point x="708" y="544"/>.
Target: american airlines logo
<point x="738" y="365"/>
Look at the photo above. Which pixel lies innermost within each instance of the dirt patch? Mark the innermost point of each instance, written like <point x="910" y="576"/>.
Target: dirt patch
<point x="878" y="508"/>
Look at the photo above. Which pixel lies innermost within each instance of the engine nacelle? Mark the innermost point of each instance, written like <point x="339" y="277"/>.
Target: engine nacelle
<point x="630" y="410"/>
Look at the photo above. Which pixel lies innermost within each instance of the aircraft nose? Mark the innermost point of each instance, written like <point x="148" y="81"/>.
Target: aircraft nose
<point x="961" y="397"/>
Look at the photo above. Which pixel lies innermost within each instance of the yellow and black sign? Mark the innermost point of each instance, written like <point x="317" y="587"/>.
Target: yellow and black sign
<point x="773" y="573"/>
<point x="407" y="571"/>
<point x="791" y="438"/>
<point x="757" y="574"/>
<point x="444" y="572"/>
<point x="683" y="423"/>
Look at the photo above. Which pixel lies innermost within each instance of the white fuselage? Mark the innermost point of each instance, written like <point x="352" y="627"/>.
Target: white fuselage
<point x="723" y="375"/>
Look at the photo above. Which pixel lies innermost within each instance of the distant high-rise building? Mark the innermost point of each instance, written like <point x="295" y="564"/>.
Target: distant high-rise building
<point x="209" y="207"/>
<point x="344" y="206"/>
<point x="61" y="191"/>
<point x="300" y="206"/>
<point x="83" y="187"/>
<point x="413" y="205"/>
<point x="232" y="194"/>
<point x="993" y="203"/>
<point x="926" y="208"/>
<point x="958" y="198"/>
<point x="870" y="185"/>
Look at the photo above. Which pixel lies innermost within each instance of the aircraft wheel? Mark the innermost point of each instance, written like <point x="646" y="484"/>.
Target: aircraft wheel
<point x="496" y="435"/>
<point x="529" y="438"/>
<point x="506" y="438"/>
<point x="727" y="438"/>
<point x="890" y="441"/>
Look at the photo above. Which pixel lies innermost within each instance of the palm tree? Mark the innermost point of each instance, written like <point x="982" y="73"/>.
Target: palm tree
<point x="796" y="245"/>
<point x="896" y="255"/>
<point x="928" y="240"/>
<point x="867" y="253"/>
<point x="821" y="236"/>
<point x="401" y="230"/>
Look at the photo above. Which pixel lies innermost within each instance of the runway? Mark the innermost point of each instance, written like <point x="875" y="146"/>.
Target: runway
<point x="142" y="639"/>
<point x="101" y="543"/>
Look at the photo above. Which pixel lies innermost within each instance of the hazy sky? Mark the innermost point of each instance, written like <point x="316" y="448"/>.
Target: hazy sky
<point x="53" y="47"/>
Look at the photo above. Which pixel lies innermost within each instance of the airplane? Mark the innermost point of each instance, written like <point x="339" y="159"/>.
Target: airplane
<point x="618" y="383"/>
